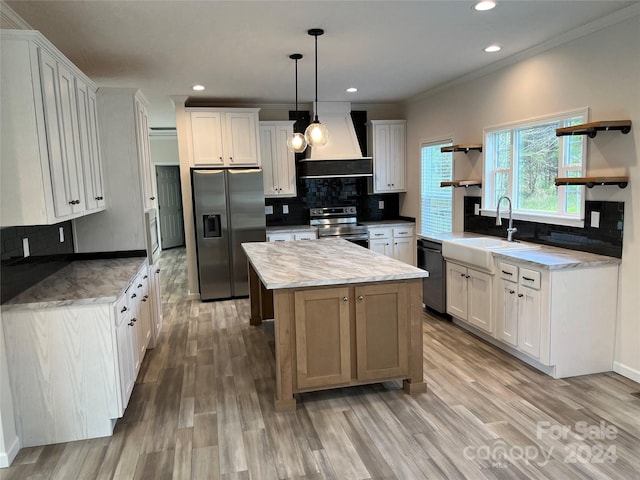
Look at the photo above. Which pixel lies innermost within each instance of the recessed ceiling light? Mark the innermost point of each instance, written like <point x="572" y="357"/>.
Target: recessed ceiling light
<point x="352" y="89"/>
<point x="493" y="48"/>
<point x="198" y="88"/>
<point x="484" y="5"/>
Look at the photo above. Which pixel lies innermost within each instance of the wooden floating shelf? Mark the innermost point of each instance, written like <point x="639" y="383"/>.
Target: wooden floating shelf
<point x="462" y="183"/>
<point x="591" y="129"/>
<point x="462" y="148"/>
<point x="590" y="182"/>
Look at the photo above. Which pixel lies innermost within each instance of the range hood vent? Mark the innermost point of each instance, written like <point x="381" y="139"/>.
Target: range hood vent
<point x="341" y="156"/>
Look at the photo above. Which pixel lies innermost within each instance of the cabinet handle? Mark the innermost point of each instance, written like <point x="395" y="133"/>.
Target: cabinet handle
<point x="231" y="159"/>
<point x="124" y="309"/>
<point x="221" y="159"/>
<point x="360" y="298"/>
<point x="133" y="295"/>
<point x="130" y="324"/>
<point x="512" y="292"/>
<point x="507" y="273"/>
<point x="158" y="271"/>
<point x="521" y="295"/>
<point x="462" y="275"/>
<point x="529" y="279"/>
<point x="402" y="233"/>
<point x="139" y="285"/>
<point x="134" y="319"/>
<point x="378" y="234"/>
<point x="144" y="277"/>
<point x="467" y="276"/>
<point x="345" y="299"/>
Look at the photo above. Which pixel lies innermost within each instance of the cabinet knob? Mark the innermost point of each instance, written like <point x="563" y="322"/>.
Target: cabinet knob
<point x="231" y="159"/>
<point x="139" y="285"/>
<point x="144" y="276"/>
<point x="124" y="309"/>
<point x="512" y="292"/>
<point x="221" y="159"/>
<point x="521" y="295"/>
<point x="345" y="299"/>
<point x="158" y="271"/>
<point x="462" y="274"/>
<point x="130" y="324"/>
<point x="360" y="297"/>
<point x="134" y="319"/>
<point x="133" y="296"/>
<point x="467" y="276"/>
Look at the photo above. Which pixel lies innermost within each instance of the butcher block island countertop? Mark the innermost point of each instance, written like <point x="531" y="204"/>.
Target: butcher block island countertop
<point x="343" y="315"/>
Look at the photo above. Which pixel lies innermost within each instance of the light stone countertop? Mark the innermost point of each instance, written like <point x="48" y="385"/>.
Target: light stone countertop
<point x="555" y="258"/>
<point x="82" y="282"/>
<point x="439" y="237"/>
<point x="323" y="262"/>
<point x="387" y="223"/>
<point x="291" y="229"/>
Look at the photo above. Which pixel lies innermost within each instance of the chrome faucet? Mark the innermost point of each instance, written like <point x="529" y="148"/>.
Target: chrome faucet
<point x="510" y="229"/>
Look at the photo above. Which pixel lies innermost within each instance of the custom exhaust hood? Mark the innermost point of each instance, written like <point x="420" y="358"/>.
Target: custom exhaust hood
<point x="341" y="156"/>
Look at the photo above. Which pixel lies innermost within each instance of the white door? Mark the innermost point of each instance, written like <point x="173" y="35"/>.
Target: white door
<point x="529" y="323"/>
<point x="396" y="160"/>
<point x="381" y="149"/>
<point x="507" y="312"/>
<point x="269" y="160"/>
<point x="240" y="145"/>
<point x="170" y="206"/>
<point x="480" y="295"/>
<point x="382" y="246"/>
<point x="206" y="134"/>
<point x="403" y="249"/>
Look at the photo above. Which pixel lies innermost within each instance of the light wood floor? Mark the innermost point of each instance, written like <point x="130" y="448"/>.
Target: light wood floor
<point x="203" y="409"/>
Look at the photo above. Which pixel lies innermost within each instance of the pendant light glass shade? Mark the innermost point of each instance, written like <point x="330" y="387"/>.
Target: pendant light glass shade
<point x="296" y="142"/>
<point x="316" y="134"/>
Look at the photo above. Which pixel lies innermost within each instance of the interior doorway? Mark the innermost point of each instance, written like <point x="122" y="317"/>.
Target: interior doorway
<point x="170" y="206"/>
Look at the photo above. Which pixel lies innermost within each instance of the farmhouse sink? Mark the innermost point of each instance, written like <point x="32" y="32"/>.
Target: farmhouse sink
<point x="478" y="252"/>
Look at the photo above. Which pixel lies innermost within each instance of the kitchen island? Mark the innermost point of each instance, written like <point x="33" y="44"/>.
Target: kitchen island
<point x="343" y="315"/>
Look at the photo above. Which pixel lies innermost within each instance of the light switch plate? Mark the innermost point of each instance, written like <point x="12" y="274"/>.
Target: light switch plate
<point x="381" y="204"/>
<point x="268" y="209"/>
<point x="285" y="209"/>
<point x="25" y="247"/>
<point x="61" y="231"/>
<point x="476" y="209"/>
<point x="595" y="219"/>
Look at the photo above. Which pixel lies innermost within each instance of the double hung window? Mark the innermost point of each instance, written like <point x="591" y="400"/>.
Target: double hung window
<point x="522" y="161"/>
<point x="436" y="212"/>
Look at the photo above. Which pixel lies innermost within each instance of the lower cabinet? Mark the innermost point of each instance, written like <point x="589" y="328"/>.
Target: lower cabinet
<point x="394" y="242"/>
<point x="292" y="236"/>
<point x="469" y="296"/>
<point x="73" y="368"/>
<point x="351" y="335"/>
<point x="155" y="296"/>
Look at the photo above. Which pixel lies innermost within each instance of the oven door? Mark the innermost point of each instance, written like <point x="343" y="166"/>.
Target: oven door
<point x="362" y="241"/>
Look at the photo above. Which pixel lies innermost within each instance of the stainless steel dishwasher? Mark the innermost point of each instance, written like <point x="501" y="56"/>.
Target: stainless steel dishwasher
<point x="434" y="288"/>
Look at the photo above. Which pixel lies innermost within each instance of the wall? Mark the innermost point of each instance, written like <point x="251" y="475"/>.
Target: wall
<point x="600" y="70"/>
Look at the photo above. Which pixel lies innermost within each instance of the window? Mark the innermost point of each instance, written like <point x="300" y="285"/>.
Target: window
<point x="437" y="202"/>
<point x="522" y="161"/>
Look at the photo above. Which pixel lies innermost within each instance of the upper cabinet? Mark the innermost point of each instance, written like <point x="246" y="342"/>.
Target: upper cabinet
<point x="224" y="137"/>
<point x="278" y="163"/>
<point x="124" y="137"/>
<point x="50" y="157"/>
<point x="388" y="148"/>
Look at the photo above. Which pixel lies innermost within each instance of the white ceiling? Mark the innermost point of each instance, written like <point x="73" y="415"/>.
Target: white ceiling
<point x="390" y="50"/>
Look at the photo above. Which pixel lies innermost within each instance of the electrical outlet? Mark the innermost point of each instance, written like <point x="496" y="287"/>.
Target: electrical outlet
<point x="595" y="219"/>
<point x="476" y="209"/>
<point x="25" y="247"/>
<point x="285" y="209"/>
<point x="61" y="232"/>
<point x="381" y="204"/>
<point x="268" y="210"/>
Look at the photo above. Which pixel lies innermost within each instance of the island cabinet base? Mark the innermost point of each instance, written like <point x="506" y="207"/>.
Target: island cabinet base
<point x="344" y="335"/>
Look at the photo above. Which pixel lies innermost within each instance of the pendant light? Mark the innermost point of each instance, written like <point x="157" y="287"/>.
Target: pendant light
<point x="296" y="142"/>
<point x="316" y="133"/>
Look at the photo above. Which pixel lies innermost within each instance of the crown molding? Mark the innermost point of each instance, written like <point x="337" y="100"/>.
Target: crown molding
<point x="11" y="20"/>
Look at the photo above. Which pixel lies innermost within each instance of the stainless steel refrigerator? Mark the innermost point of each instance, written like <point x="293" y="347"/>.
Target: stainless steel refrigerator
<point x="228" y="208"/>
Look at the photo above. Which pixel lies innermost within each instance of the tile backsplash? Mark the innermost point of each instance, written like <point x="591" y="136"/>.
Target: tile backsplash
<point x="47" y="255"/>
<point x="604" y="240"/>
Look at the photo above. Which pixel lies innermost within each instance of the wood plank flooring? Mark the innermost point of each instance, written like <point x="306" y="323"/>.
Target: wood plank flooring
<point x="203" y="409"/>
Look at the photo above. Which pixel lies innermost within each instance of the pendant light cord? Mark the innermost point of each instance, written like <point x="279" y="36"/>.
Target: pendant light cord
<point x="316" y="115"/>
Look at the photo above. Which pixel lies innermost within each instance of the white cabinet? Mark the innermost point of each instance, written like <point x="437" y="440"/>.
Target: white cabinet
<point x="124" y="138"/>
<point x="278" y="162"/>
<point x="388" y="148"/>
<point x="518" y="309"/>
<point x="469" y="296"/>
<point x="127" y="350"/>
<point x="292" y="236"/>
<point x="394" y="242"/>
<point x="155" y="298"/>
<point x="224" y="137"/>
<point x="44" y="133"/>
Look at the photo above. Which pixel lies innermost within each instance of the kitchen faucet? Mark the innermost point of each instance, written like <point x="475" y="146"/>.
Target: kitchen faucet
<point x="510" y="229"/>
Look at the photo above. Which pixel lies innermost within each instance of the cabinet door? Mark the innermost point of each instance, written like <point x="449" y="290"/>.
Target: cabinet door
<point x="155" y="306"/>
<point x="382" y="331"/>
<point x="382" y="246"/>
<point x="529" y="320"/>
<point x="285" y="160"/>
<point x="404" y="248"/>
<point x="144" y="315"/>
<point x="507" y="311"/>
<point x="127" y="350"/>
<point x="456" y="290"/>
<point x="63" y="174"/>
<point x="241" y="139"/>
<point x="89" y="148"/>
<point x="144" y="155"/>
<point x="480" y="311"/>
<point x="397" y="157"/>
<point x="381" y="145"/>
<point x="206" y="132"/>
<point x="269" y="157"/>
<point x="322" y="336"/>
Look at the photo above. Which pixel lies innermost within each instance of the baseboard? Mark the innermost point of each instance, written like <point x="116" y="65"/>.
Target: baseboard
<point x="632" y="373"/>
<point x="7" y="457"/>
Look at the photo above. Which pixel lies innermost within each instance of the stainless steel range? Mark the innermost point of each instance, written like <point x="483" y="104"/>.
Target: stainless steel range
<point x="339" y="222"/>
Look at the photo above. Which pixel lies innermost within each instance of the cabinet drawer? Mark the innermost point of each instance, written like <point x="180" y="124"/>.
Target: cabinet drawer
<point x="304" y="236"/>
<point x="530" y="278"/>
<point x="379" y="233"/>
<point x="279" y="237"/>
<point x="508" y="272"/>
<point x="400" y="232"/>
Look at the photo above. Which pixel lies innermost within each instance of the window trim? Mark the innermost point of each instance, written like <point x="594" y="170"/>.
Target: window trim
<point x="540" y="217"/>
<point x="443" y="140"/>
